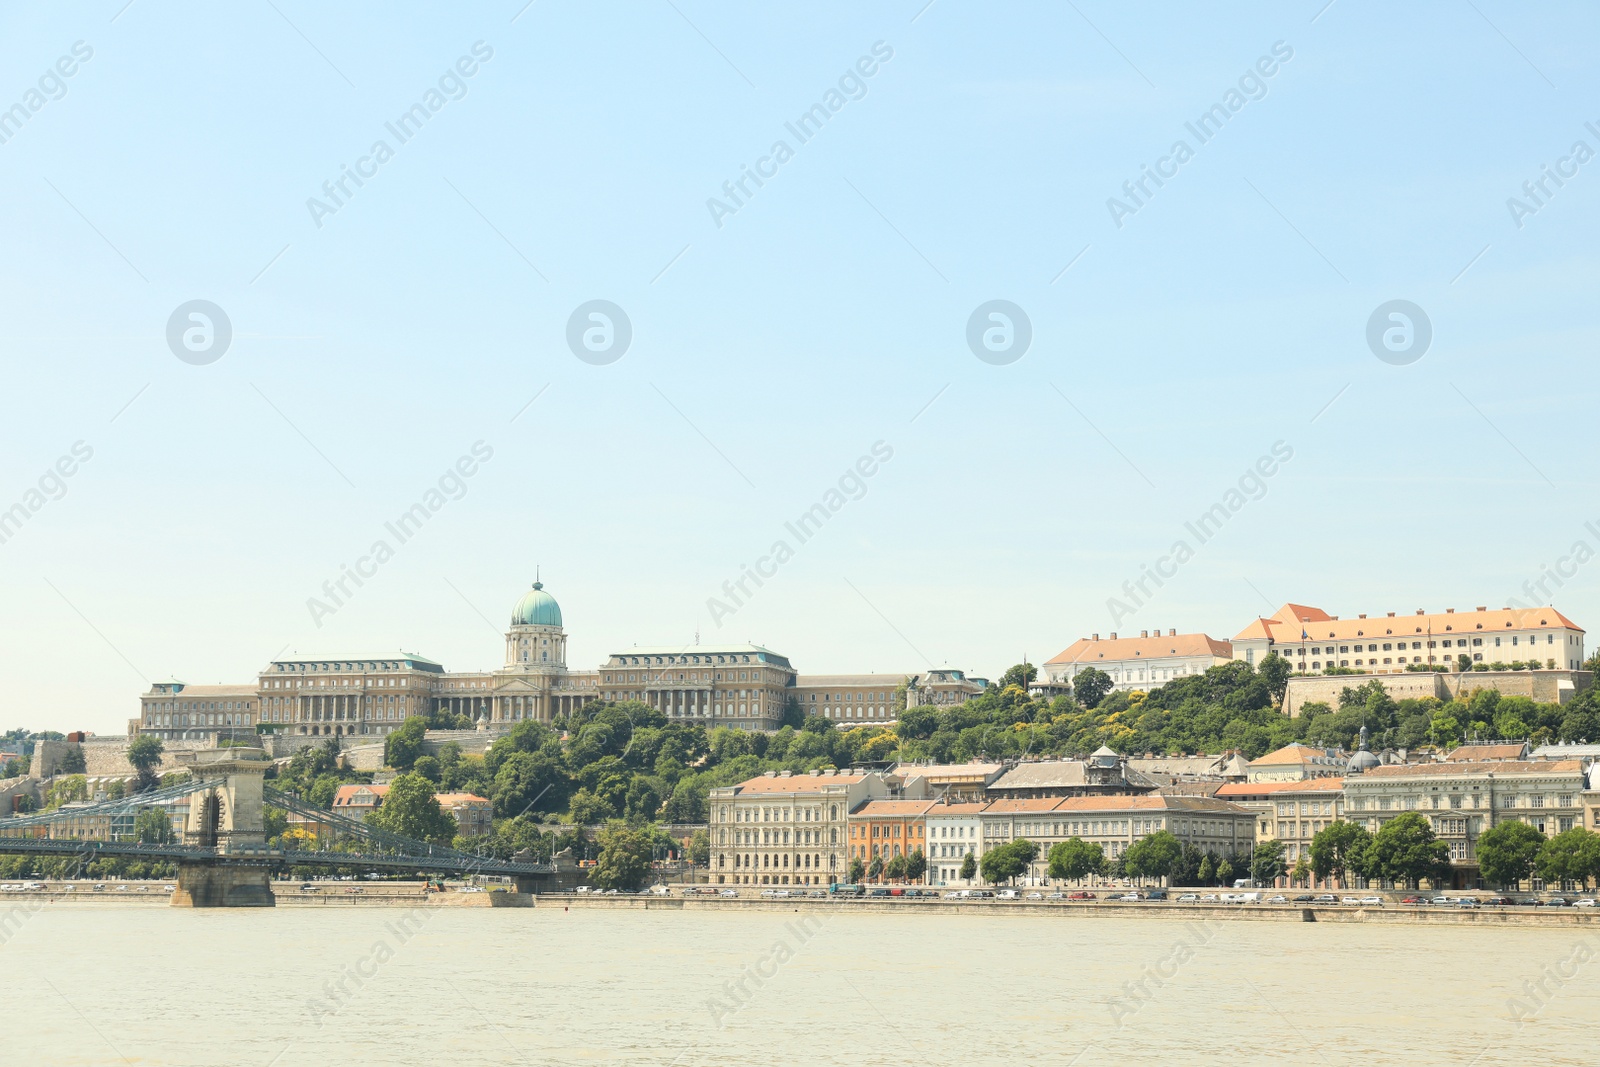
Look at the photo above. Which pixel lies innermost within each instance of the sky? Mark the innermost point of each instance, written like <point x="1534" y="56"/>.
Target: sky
<point x="987" y="480"/>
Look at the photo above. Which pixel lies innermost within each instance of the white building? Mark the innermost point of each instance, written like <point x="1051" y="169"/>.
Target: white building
<point x="953" y="833"/>
<point x="1142" y="662"/>
<point x="1313" y="640"/>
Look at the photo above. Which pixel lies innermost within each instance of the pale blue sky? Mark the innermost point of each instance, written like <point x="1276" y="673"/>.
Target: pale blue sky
<point x="772" y="352"/>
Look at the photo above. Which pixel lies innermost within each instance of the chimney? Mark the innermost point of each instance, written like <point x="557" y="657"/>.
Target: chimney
<point x="1144" y="633"/>
<point x="1172" y="633"/>
<point x="1360" y="616"/>
<point x="1421" y="612"/>
<point x="1391" y="615"/>
<point x="1449" y="611"/>
<point x="1094" y="637"/>
<point x="1480" y="607"/>
<point x="1113" y="635"/>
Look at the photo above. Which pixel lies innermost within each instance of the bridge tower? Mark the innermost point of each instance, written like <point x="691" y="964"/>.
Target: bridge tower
<point x="227" y="817"/>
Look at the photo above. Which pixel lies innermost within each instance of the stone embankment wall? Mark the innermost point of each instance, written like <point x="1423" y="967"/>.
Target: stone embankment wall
<point x="1546" y="687"/>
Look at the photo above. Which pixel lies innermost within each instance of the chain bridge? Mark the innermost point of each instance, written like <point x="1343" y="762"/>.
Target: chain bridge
<point x="222" y="854"/>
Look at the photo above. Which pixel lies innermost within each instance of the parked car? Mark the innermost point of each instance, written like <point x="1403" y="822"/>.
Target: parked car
<point x="1081" y="895"/>
<point x="983" y="894"/>
<point x="1372" y="902"/>
<point x="1584" y="902"/>
<point x="1414" y="899"/>
<point x="1349" y="900"/>
<point x="1279" y="899"/>
<point x="1189" y="898"/>
<point x="1035" y="896"/>
<point x="1556" y="902"/>
<point x="897" y="892"/>
<point x="1498" y="902"/>
<point x="168" y="888"/>
<point x="1209" y="898"/>
<point x="1325" y="898"/>
<point x="952" y="894"/>
<point x="879" y="892"/>
<point x="728" y="893"/>
<point x="1007" y="894"/>
<point x="1055" y="896"/>
<point x="1466" y="902"/>
<point x="1441" y="901"/>
<point x="1304" y="898"/>
<point x="1127" y="897"/>
<point x="1156" y="894"/>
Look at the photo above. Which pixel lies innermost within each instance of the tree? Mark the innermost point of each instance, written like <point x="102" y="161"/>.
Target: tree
<point x="1572" y="855"/>
<point x="969" y="867"/>
<point x="624" y="860"/>
<point x="1208" y="870"/>
<point x="74" y="762"/>
<point x="916" y="865"/>
<point x="1076" y="858"/>
<point x="1301" y="875"/>
<point x="895" y="869"/>
<point x="144" y="755"/>
<point x="875" y="868"/>
<point x="411" y="810"/>
<point x="1153" y="856"/>
<point x="1090" y="686"/>
<point x="152" y="826"/>
<point x="401" y="748"/>
<point x="858" y="870"/>
<point x="699" y="849"/>
<point x="1275" y="671"/>
<point x="588" y="809"/>
<point x="1005" y="862"/>
<point x="1019" y="675"/>
<point x="1506" y="852"/>
<point x="428" y="767"/>
<point x="1224" y="872"/>
<point x="1406" y="850"/>
<point x="1338" y="848"/>
<point x="1267" y="864"/>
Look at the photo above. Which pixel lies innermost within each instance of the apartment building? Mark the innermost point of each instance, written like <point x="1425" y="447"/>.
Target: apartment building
<point x="1292" y="811"/>
<point x="885" y="829"/>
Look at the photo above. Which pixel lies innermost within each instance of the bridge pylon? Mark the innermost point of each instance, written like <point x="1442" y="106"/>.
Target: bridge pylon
<point x="228" y="818"/>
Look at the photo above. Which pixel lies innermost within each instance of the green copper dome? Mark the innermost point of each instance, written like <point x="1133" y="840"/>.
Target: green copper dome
<point x="536" y="608"/>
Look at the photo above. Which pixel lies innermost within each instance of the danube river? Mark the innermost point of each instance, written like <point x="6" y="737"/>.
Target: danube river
<point x="107" y="984"/>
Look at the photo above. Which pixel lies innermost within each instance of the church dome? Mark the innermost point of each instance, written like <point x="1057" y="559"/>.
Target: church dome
<point x="536" y="608"/>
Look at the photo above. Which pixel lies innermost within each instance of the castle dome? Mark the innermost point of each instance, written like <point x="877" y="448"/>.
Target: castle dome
<point x="536" y="608"/>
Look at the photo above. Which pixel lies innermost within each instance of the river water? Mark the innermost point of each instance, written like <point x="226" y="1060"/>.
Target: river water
<point x="106" y="984"/>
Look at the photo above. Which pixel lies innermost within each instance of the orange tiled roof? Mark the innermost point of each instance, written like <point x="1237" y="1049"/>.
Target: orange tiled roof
<point x="460" y="798"/>
<point x="1400" y="770"/>
<point x="1290" y="754"/>
<point x="343" y="796"/>
<point x="1089" y="652"/>
<point x="1023" y="805"/>
<point x="970" y="807"/>
<point x="1309" y="785"/>
<point x="1288" y="622"/>
<point x="879" y="809"/>
<point x="1473" y="753"/>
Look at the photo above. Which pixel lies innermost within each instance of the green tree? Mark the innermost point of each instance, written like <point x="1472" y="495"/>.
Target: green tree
<point x="916" y="865"/>
<point x="1019" y="675"/>
<point x="699" y="850"/>
<point x="1572" y="855"/>
<point x="1090" y="686"/>
<point x="274" y="821"/>
<point x="1506" y="852"/>
<point x="428" y="767"/>
<point x="152" y="826"/>
<point x="1005" y="862"/>
<point x="1267" y="863"/>
<point x="589" y="809"/>
<point x="895" y="869"/>
<point x="1076" y="858"/>
<point x="401" y="748"/>
<point x="969" y="867"/>
<point x="411" y="810"/>
<point x="624" y="860"/>
<point x="1301" y="875"/>
<point x="1275" y="671"/>
<point x="875" y="868"/>
<point x="73" y="762"/>
<point x="1225" y="872"/>
<point x="858" y="870"/>
<point x="144" y="756"/>
<point x="1338" y="849"/>
<point x="1208" y="870"/>
<point x="1406" y="850"/>
<point x="1153" y="856"/>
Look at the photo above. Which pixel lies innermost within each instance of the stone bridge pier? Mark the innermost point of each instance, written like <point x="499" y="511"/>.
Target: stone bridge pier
<point x="228" y="818"/>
